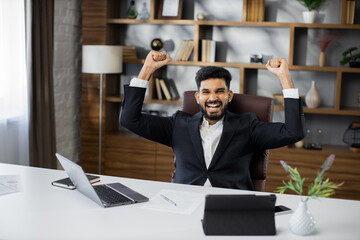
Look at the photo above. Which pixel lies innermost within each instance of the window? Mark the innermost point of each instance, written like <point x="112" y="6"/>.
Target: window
<point x="13" y="83"/>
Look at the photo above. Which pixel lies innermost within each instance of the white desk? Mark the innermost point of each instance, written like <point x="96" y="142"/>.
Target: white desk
<point x="42" y="211"/>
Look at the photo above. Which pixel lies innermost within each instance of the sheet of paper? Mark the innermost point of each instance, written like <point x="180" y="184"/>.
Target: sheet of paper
<point x="175" y="201"/>
<point x="9" y="184"/>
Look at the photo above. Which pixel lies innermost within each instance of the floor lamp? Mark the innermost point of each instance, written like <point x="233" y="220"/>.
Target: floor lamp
<point x="101" y="59"/>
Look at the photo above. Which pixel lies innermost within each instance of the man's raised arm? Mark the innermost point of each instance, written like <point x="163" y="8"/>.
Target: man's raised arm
<point x="154" y="60"/>
<point x="279" y="68"/>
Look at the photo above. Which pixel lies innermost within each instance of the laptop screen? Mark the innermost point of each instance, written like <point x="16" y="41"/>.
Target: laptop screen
<point x="78" y="177"/>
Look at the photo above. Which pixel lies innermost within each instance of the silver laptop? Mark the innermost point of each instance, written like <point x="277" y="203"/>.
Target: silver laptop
<point x="106" y="195"/>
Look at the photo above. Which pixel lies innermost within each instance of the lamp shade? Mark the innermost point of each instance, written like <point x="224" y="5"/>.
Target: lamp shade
<point x="101" y="59"/>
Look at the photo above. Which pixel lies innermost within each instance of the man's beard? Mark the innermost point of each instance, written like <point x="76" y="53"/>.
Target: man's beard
<point x="214" y="117"/>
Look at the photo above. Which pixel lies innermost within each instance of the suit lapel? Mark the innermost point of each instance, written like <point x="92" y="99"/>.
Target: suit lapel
<point x="194" y="133"/>
<point x="228" y="132"/>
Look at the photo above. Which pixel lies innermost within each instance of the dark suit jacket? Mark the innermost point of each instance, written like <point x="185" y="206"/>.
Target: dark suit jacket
<point x="242" y="135"/>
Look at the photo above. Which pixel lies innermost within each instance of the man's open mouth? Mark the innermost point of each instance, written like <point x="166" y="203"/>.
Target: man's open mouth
<point x="213" y="106"/>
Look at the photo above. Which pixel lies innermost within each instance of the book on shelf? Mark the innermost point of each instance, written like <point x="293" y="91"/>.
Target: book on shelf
<point x="129" y="53"/>
<point x="179" y="51"/>
<point x="203" y="50"/>
<point x="165" y="89"/>
<point x="208" y="50"/>
<point x="188" y="50"/>
<point x="255" y="10"/>
<point x="158" y="89"/>
<point x="212" y="49"/>
<point x="184" y="51"/>
<point x="170" y="84"/>
<point x="350" y="12"/>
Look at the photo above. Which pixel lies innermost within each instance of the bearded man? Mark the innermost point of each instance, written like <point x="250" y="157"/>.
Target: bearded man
<point x="213" y="147"/>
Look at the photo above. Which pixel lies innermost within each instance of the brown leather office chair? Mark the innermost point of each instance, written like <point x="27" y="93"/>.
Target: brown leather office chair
<point x="262" y="107"/>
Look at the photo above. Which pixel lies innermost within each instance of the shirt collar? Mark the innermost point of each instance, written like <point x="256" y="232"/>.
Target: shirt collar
<point x="205" y="123"/>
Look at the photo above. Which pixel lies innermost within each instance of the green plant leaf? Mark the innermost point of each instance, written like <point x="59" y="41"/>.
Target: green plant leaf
<point x="319" y="188"/>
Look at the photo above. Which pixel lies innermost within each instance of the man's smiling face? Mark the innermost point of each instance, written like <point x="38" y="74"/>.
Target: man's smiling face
<point x="213" y="98"/>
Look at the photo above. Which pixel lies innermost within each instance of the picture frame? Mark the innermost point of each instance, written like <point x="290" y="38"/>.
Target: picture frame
<point x="170" y="9"/>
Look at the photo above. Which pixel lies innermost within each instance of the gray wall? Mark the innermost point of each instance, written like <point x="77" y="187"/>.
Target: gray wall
<point x="67" y="73"/>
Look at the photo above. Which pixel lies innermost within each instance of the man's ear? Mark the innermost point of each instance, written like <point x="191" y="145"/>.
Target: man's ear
<point x="231" y="95"/>
<point x="197" y="97"/>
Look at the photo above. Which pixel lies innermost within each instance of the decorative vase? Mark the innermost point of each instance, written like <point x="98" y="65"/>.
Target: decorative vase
<point x="200" y="16"/>
<point x="132" y="12"/>
<point x="312" y="98"/>
<point x="302" y="222"/>
<point x="309" y="16"/>
<point x="322" y="59"/>
<point x="144" y="13"/>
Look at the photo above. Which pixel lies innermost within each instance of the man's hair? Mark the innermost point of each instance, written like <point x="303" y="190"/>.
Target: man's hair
<point x="212" y="72"/>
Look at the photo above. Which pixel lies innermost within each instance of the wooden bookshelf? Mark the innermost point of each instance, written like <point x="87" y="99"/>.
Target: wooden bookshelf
<point x="125" y="154"/>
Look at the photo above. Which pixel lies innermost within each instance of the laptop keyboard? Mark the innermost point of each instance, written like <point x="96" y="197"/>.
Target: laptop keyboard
<point x="110" y="196"/>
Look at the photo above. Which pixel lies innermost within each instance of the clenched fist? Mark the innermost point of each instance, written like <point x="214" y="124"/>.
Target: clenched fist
<point x="279" y="67"/>
<point x="154" y="60"/>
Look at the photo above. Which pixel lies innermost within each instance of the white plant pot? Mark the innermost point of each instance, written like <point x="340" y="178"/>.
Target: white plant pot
<point x="302" y="222"/>
<point x="309" y="16"/>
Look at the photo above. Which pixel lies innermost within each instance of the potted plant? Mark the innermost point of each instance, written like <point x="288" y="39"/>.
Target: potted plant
<point x="301" y="222"/>
<point x="349" y="57"/>
<point x="312" y="6"/>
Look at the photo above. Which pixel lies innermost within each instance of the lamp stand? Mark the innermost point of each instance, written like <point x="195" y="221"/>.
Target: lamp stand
<point x="100" y="119"/>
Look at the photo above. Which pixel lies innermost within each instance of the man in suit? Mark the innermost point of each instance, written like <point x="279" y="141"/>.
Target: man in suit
<point x="213" y="147"/>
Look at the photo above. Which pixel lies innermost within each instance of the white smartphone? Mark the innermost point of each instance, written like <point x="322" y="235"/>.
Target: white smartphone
<point x="281" y="209"/>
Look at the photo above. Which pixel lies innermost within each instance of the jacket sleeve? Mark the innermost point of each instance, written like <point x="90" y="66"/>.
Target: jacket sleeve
<point x="272" y="135"/>
<point x="155" y="128"/>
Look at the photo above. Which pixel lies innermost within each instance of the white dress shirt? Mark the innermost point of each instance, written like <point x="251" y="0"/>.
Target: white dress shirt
<point x="210" y="138"/>
<point x="211" y="134"/>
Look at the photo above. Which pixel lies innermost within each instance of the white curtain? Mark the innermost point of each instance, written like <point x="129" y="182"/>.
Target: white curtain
<point x="14" y="84"/>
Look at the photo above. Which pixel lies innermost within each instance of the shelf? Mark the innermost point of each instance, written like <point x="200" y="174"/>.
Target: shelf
<point x="243" y="24"/>
<point x="169" y="102"/>
<point x="231" y="23"/>
<point x="199" y="63"/>
<point x="324" y="69"/>
<point x="256" y="66"/>
<point x="139" y="61"/>
<point x="327" y="111"/>
<point x="332" y="111"/>
<point x="114" y="99"/>
<point x="329" y="26"/>
<point x="329" y="149"/>
<point x="155" y="21"/>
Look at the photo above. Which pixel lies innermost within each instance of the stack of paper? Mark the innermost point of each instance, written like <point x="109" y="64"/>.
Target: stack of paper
<point x="9" y="184"/>
<point x="175" y="201"/>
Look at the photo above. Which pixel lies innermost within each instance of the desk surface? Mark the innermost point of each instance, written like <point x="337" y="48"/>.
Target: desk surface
<point x="42" y="211"/>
